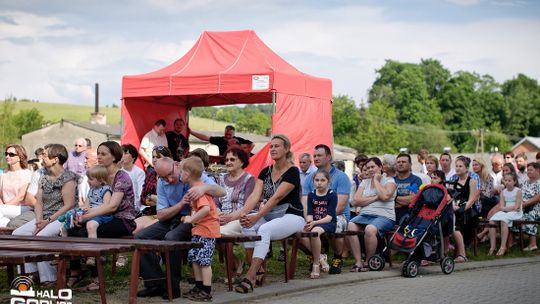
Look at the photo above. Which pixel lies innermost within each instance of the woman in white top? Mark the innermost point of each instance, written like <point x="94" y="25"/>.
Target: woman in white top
<point x="13" y="183"/>
<point x="376" y="196"/>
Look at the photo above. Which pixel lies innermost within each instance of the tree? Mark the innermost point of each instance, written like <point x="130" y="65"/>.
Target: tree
<point x="522" y="99"/>
<point x="379" y="130"/>
<point x="256" y="122"/>
<point x="435" y="76"/>
<point x="27" y="121"/>
<point x="403" y="86"/>
<point x="345" y="121"/>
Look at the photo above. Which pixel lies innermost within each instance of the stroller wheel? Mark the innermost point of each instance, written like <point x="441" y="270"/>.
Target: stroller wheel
<point x="447" y="265"/>
<point x="410" y="269"/>
<point x="376" y="263"/>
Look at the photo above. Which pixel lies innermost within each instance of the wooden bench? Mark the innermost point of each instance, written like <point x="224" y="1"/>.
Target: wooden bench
<point x="481" y="225"/>
<point x="226" y="242"/>
<point x="294" y="238"/>
<point x="66" y="250"/>
<point x="519" y="224"/>
<point x="10" y="258"/>
<point x="116" y="246"/>
<point x="6" y="230"/>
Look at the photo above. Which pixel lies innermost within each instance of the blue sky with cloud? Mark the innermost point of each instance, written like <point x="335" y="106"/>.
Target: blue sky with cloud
<point x="56" y="50"/>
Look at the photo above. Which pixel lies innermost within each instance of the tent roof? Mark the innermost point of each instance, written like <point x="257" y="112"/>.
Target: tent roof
<point x="236" y="63"/>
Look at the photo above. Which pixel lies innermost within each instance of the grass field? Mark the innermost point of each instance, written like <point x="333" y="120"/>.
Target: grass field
<point x="53" y="112"/>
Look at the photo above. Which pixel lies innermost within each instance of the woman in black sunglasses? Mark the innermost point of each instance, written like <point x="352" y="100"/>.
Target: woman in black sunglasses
<point x="13" y="183"/>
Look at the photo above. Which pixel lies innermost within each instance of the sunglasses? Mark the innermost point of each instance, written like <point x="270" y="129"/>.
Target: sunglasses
<point x="79" y="146"/>
<point x="230" y="159"/>
<point x="159" y="148"/>
<point x="10" y="154"/>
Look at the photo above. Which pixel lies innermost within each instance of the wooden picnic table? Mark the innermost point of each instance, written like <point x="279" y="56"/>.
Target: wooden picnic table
<point x="138" y="246"/>
<point x="67" y="251"/>
<point x="11" y="258"/>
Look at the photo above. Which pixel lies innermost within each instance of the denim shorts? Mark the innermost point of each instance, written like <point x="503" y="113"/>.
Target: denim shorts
<point x="102" y="219"/>
<point x="382" y="223"/>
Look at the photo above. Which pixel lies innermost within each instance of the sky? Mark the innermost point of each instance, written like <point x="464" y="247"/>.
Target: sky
<point x="54" y="51"/>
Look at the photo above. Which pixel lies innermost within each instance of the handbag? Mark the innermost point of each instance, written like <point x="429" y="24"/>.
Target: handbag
<point x="277" y="212"/>
<point x="464" y="216"/>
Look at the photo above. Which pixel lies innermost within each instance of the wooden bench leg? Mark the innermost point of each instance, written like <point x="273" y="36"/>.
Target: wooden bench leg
<point x="229" y="263"/>
<point x="294" y="253"/>
<point x="134" y="276"/>
<point x="61" y="274"/>
<point x="286" y="259"/>
<point x="521" y="245"/>
<point x="10" y="274"/>
<point x="113" y="265"/>
<point x="168" y="271"/>
<point x="101" y="279"/>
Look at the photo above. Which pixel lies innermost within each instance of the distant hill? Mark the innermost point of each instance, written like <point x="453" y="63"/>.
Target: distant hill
<point x="53" y="112"/>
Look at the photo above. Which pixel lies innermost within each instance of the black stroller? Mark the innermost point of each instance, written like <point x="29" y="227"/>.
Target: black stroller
<point x="420" y="233"/>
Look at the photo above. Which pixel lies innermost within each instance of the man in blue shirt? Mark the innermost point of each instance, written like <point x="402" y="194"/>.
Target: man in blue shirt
<point x="407" y="185"/>
<point x="341" y="185"/>
<point x="172" y="210"/>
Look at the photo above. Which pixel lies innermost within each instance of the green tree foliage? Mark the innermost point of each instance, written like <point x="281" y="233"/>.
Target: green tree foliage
<point x="13" y="126"/>
<point x="249" y="118"/>
<point x="435" y="76"/>
<point x="522" y="99"/>
<point x="8" y="130"/>
<point x="345" y="121"/>
<point x="379" y="131"/>
<point x="403" y="86"/>
<point x="256" y="122"/>
<point x="27" y="121"/>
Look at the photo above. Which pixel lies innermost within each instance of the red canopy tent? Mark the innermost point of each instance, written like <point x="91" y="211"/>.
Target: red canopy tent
<point x="225" y="68"/>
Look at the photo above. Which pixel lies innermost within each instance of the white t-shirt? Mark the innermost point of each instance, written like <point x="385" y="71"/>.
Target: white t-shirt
<point x="379" y="208"/>
<point x="150" y="140"/>
<point x="137" y="176"/>
<point x="33" y="187"/>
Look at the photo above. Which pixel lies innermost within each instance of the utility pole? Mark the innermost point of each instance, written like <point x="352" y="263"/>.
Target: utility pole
<point x="482" y="140"/>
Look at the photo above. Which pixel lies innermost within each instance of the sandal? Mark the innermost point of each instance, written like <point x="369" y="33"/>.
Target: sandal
<point x="93" y="286"/>
<point x="356" y="268"/>
<point x="491" y="251"/>
<point x="324" y="263"/>
<point x="501" y="252"/>
<point x="461" y="259"/>
<point x="244" y="287"/>
<point x="316" y="273"/>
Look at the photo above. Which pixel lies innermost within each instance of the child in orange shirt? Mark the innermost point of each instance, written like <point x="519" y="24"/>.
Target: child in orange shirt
<point x="205" y="221"/>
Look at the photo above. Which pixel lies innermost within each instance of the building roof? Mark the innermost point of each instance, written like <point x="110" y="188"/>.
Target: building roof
<point x="535" y="141"/>
<point x="111" y="130"/>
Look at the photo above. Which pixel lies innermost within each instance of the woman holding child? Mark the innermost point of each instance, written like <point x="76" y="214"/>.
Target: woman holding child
<point x="120" y="206"/>
<point x="56" y="195"/>
<point x="280" y="213"/>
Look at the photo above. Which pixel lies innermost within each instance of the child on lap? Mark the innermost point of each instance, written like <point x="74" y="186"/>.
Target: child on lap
<point x="205" y="221"/>
<point x="100" y="192"/>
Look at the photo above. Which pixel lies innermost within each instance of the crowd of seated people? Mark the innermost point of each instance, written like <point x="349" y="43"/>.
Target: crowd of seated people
<point x="174" y="198"/>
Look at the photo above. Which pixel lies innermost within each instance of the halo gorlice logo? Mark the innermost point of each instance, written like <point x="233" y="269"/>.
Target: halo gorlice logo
<point x="22" y="292"/>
